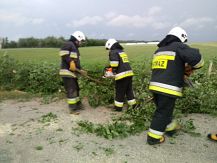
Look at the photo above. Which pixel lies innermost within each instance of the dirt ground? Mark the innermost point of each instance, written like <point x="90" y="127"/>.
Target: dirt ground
<point x="23" y="139"/>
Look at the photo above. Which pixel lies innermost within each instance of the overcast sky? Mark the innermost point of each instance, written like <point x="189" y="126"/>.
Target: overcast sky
<point x="120" y="19"/>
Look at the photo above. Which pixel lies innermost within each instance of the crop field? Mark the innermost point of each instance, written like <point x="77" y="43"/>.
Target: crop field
<point x="91" y="56"/>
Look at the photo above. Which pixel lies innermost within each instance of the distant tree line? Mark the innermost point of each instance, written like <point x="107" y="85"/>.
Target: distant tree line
<point x="48" y="42"/>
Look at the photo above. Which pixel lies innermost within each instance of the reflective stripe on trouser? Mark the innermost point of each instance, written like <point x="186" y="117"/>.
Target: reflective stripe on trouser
<point x="165" y="88"/>
<point x="73" y="100"/>
<point x="155" y="134"/>
<point x="119" y="104"/>
<point x="72" y="90"/>
<point x="123" y="87"/>
<point x="163" y="113"/>
<point x="131" y="102"/>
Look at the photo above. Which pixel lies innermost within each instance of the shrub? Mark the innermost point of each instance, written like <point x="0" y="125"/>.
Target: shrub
<point x="35" y="78"/>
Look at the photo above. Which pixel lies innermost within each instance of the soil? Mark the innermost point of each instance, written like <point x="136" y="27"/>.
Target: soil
<point x="23" y="139"/>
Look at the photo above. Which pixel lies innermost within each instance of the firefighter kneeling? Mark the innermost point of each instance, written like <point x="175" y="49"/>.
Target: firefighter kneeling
<point x="171" y="61"/>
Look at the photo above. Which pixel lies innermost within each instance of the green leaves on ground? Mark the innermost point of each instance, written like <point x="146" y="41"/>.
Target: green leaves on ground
<point x="50" y="117"/>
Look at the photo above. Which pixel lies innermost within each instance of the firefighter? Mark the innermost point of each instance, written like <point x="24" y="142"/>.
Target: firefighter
<point x="168" y="70"/>
<point x="123" y="74"/>
<point x="70" y="65"/>
<point x="212" y="136"/>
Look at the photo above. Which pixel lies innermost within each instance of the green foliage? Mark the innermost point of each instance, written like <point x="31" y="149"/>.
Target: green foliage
<point x="95" y="42"/>
<point x="39" y="148"/>
<point x="43" y="78"/>
<point x="35" y="78"/>
<point x="48" y="118"/>
<point x="97" y="94"/>
<point x="7" y="72"/>
<point x="201" y="98"/>
<point x="49" y="41"/>
<point x="189" y="127"/>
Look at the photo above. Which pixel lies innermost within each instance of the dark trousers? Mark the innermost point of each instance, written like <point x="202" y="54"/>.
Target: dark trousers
<point x="71" y="86"/>
<point x="124" y="87"/>
<point x="163" y="113"/>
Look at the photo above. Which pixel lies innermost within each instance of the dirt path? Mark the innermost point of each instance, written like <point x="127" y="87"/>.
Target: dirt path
<point x="23" y="139"/>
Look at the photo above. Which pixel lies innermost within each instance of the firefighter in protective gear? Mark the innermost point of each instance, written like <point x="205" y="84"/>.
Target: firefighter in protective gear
<point x="167" y="80"/>
<point x="122" y="73"/>
<point x="70" y="62"/>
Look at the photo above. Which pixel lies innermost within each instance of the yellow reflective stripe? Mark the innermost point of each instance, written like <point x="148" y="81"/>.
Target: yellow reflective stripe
<point x="165" y="90"/>
<point x="200" y="64"/>
<point x="123" y="75"/>
<point x="119" y="104"/>
<point x="63" y="52"/>
<point x="131" y="102"/>
<point x="65" y="72"/>
<point x="154" y="135"/>
<point x="171" y="87"/>
<point x="73" y="55"/>
<point x="167" y="57"/>
<point x="73" y="100"/>
<point x="124" y="57"/>
<point x="114" y="63"/>
<point x="167" y="53"/>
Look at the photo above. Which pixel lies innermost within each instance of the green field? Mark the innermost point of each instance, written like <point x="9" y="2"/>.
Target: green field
<point x="98" y="55"/>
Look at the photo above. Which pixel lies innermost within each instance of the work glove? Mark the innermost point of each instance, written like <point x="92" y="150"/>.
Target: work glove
<point x="72" y="66"/>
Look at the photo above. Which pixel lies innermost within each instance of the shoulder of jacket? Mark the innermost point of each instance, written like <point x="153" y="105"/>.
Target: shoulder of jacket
<point x="180" y="45"/>
<point x="114" y="52"/>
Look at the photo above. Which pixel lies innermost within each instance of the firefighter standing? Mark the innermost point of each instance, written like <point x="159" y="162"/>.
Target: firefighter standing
<point x="70" y="64"/>
<point x="167" y="80"/>
<point x="122" y="73"/>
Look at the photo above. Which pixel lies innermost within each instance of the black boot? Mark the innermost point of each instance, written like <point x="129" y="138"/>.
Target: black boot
<point x="118" y="109"/>
<point x="153" y="141"/>
<point x="80" y="106"/>
<point x="73" y="109"/>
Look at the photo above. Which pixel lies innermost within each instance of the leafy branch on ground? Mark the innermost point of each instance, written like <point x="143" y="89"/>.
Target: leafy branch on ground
<point x="50" y="117"/>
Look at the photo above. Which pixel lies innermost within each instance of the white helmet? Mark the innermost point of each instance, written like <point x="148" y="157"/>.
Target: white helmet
<point x="180" y="33"/>
<point x="79" y="35"/>
<point x="109" y="43"/>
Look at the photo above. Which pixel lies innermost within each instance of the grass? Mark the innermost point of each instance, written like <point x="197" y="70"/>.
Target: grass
<point x="91" y="56"/>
